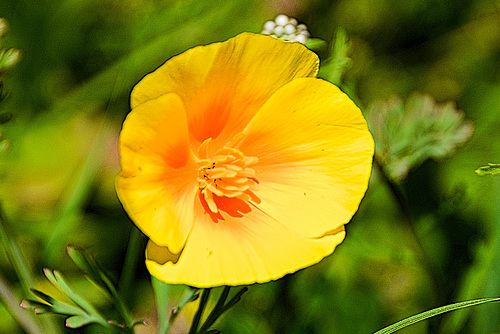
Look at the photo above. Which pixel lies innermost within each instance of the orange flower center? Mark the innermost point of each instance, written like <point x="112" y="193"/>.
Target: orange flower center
<point x="227" y="182"/>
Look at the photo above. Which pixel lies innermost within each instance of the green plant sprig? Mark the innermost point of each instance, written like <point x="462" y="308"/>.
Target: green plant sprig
<point x="82" y="313"/>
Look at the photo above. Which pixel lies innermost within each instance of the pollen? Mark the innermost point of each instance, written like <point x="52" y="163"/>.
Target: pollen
<point x="227" y="174"/>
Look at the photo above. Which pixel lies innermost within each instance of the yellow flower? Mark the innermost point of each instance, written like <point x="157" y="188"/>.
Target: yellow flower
<point x="239" y="165"/>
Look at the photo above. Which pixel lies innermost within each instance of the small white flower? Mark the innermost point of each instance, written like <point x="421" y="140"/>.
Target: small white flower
<point x="269" y="25"/>
<point x="281" y="20"/>
<point x="286" y="28"/>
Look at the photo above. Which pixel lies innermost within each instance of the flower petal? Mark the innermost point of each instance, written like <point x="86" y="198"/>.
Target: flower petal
<point x="223" y="85"/>
<point x="237" y="251"/>
<point x="157" y="184"/>
<point x="314" y="155"/>
<point x="183" y="74"/>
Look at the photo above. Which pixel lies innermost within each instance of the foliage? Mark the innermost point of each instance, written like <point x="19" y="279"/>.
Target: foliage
<point x="82" y="311"/>
<point x="69" y="95"/>
<point x="408" y="134"/>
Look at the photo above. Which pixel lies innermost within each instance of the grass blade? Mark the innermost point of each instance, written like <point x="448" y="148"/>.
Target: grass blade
<point x="431" y="313"/>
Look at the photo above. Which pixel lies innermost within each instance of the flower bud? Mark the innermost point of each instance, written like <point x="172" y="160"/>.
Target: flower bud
<point x="286" y="28"/>
<point x="4" y="27"/>
<point x="281" y="20"/>
<point x="9" y="58"/>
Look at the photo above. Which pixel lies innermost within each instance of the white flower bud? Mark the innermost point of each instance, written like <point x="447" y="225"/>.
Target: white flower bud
<point x="305" y="33"/>
<point x="281" y="20"/>
<point x="301" y="38"/>
<point x="301" y="27"/>
<point x="286" y="28"/>
<point x="278" y="31"/>
<point x="269" y="25"/>
<point x="289" y="29"/>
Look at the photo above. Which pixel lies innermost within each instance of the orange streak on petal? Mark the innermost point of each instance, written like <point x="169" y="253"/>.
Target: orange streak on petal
<point x="208" y="114"/>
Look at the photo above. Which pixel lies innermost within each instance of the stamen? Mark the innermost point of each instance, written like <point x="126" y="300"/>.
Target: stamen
<point x="226" y="176"/>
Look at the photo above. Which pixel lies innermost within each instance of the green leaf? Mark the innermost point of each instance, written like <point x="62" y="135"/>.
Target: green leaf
<point x="78" y="321"/>
<point x="37" y="307"/>
<point x="46" y="298"/>
<point x="88" y="265"/>
<point x="408" y="133"/>
<point x="431" y="313"/>
<point x="315" y="44"/>
<point x="490" y="169"/>
<point x="86" y="262"/>
<point x="51" y="305"/>
<point x="335" y="66"/>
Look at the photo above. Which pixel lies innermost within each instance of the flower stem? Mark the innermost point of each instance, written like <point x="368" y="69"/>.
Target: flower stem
<point x="411" y="234"/>
<point x="162" y="295"/>
<point x="135" y="249"/>
<point x="197" y="317"/>
<point x="189" y="295"/>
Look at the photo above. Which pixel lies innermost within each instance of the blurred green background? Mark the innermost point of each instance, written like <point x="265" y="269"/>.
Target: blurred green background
<point x="69" y="96"/>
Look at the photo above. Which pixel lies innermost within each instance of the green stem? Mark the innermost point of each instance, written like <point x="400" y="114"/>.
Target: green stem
<point x="188" y="296"/>
<point x="199" y="312"/>
<point x="135" y="250"/>
<point x="122" y="308"/>
<point x="11" y="302"/>
<point x="14" y="254"/>
<point x="236" y="298"/>
<point x="162" y="295"/>
<point x="217" y="310"/>
<point x="411" y="234"/>
<point x="17" y="260"/>
<point x="221" y="307"/>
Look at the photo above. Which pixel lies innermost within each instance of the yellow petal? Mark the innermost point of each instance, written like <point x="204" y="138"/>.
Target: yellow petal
<point x="238" y="251"/>
<point x="157" y="185"/>
<point x="183" y="74"/>
<point x="155" y="131"/>
<point x="315" y="154"/>
<point x="224" y="84"/>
